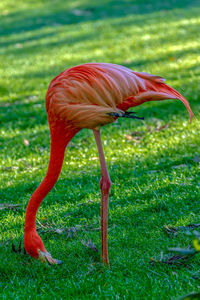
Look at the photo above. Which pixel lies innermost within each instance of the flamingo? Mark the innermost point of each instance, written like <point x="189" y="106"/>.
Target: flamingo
<point x="89" y="96"/>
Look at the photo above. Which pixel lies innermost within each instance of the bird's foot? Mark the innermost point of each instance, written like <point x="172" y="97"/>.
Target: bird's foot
<point x="105" y="261"/>
<point x="47" y="258"/>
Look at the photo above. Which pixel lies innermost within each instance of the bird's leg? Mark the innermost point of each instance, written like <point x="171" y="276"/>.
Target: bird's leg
<point x="105" y="184"/>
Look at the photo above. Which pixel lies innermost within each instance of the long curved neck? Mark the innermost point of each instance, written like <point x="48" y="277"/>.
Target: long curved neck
<point x="59" y="141"/>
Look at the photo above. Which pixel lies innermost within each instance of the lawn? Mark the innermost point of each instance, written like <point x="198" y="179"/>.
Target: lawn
<point x="154" y="164"/>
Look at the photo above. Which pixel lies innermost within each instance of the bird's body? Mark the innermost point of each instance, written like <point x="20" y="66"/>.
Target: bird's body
<point x="85" y="95"/>
<point x="89" y="96"/>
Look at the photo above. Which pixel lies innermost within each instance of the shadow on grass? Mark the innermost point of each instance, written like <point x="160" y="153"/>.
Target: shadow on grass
<point x="62" y="13"/>
<point x="72" y="37"/>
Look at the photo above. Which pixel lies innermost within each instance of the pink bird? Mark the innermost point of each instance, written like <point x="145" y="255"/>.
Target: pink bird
<point x="89" y="96"/>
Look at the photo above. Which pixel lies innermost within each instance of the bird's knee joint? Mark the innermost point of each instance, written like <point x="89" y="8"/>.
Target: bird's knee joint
<point x="105" y="184"/>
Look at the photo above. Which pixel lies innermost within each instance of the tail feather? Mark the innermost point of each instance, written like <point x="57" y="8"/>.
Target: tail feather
<point x="181" y="98"/>
<point x="160" y="91"/>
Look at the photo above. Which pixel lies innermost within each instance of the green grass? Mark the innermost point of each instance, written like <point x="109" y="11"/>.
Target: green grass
<point x="39" y="39"/>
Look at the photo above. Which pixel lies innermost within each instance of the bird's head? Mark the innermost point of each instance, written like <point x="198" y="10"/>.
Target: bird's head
<point x="33" y="243"/>
<point x="34" y="246"/>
